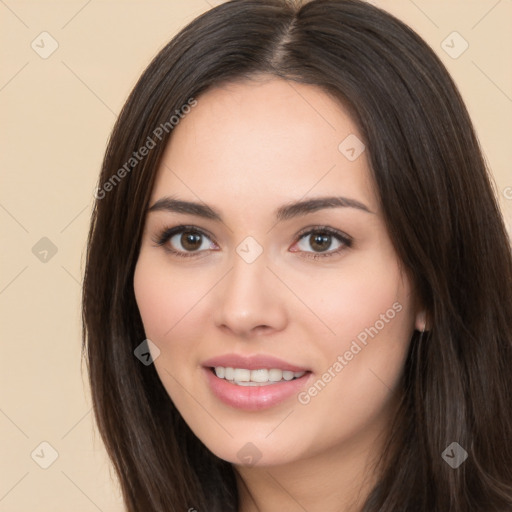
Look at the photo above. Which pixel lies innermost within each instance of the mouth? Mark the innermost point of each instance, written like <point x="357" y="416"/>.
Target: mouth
<point x="254" y="383"/>
<point x="257" y="377"/>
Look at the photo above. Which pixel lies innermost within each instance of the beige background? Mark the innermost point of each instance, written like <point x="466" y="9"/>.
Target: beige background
<point x="57" y="113"/>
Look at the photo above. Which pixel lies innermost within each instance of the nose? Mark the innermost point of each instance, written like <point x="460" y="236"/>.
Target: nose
<point x="249" y="300"/>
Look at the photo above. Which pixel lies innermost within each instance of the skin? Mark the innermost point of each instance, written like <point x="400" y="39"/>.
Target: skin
<point x="246" y="149"/>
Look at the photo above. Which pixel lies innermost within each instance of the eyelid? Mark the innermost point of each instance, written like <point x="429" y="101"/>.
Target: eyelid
<point x="168" y="232"/>
<point x="323" y="229"/>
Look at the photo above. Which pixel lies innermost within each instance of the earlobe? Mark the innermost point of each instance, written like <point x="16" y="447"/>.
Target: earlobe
<point x="421" y="321"/>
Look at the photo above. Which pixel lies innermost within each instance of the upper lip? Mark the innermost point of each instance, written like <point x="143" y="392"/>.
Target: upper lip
<point x="252" y="362"/>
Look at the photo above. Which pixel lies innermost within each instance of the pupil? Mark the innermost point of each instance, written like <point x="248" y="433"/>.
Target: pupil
<point x="321" y="242"/>
<point x="191" y="241"/>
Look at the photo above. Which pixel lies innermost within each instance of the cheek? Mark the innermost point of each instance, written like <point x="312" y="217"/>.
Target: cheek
<point x="363" y="295"/>
<point x="164" y="297"/>
<point x="372" y="316"/>
<point x="368" y="309"/>
<point x="154" y="297"/>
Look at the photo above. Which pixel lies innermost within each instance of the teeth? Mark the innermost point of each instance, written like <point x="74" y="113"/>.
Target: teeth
<point x="259" y="375"/>
<point x="244" y="377"/>
<point x="275" y="375"/>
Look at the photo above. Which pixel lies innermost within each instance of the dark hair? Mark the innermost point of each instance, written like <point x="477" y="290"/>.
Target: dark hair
<point x="443" y="219"/>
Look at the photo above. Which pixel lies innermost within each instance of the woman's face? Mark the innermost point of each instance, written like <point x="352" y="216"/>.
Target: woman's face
<point x="284" y="270"/>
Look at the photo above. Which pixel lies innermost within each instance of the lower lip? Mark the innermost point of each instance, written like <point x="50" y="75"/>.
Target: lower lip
<point x="254" y="398"/>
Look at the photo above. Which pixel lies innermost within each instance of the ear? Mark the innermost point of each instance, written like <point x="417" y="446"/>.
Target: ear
<point x="421" y="321"/>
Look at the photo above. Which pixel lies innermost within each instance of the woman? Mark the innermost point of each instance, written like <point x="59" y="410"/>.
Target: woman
<point x="298" y="291"/>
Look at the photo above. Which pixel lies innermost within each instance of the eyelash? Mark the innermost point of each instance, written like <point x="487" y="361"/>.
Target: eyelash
<point x="167" y="233"/>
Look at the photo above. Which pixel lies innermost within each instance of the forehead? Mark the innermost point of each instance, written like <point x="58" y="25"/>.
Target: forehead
<point x="264" y="140"/>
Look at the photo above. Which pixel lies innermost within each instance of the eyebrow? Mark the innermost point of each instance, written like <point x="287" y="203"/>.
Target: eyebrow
<point x="285" y="212"/>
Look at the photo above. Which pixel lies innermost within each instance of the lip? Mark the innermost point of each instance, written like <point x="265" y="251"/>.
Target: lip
<point x="254" y="398"/>
<point x="254" y="362"/>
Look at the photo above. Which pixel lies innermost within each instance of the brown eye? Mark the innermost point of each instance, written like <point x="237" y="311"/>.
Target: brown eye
<point x="320" y="242"/>
<point x="190" y="240"/>
<point x="185" y="241"/>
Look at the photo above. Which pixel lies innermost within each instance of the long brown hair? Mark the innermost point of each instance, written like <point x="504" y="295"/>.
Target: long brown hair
<point x="442" y="215"/>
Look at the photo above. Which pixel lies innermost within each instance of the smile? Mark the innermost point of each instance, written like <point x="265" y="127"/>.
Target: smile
<point x="257" y="377"/>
